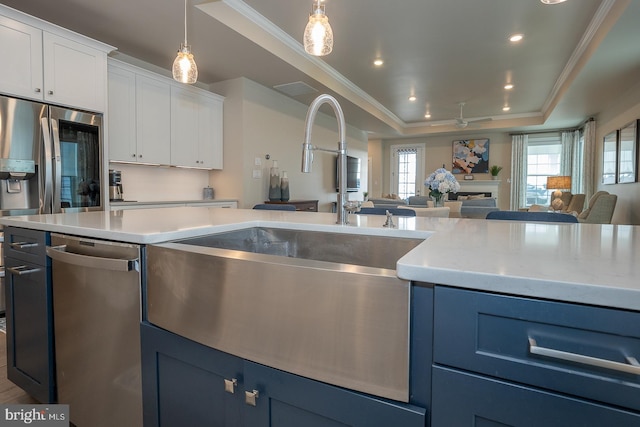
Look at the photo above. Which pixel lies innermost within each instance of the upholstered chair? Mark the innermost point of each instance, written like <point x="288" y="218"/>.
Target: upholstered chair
<point x="576" y="204"/>
<point x="600" y="209"/>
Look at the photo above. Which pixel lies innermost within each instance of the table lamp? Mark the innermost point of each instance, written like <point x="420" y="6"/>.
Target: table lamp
<point x="558" y="183"/>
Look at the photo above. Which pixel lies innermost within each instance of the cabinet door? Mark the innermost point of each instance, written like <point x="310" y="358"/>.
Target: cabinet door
<point x="463" y="399"/>
<point x="122" y="114"/>
<point x="30" y="359"/>
<point x="210" y="139"/>
<point x="153" y="114"/>
<point x="23" y="44"/>
<point x="74" y="74"/>
<point x="188" y="384"/>
<point x="287" y="400"/>
<point x="184" y="127"/>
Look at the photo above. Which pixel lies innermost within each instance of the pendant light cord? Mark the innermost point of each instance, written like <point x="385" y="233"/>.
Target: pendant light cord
<point x="185" y="22"/>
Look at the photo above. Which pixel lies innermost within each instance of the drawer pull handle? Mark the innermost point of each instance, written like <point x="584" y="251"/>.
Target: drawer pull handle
<point x="21" y="270"/>
<point x="632" y="366"/>
<point x="23" y="245"/>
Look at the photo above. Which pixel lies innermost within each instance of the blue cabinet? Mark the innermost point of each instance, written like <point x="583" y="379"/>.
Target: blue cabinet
<point x="29" y="313"/>
<point x="186" y="383"/>
<point x="465" y="399"/>
<point x="521" y="361"/>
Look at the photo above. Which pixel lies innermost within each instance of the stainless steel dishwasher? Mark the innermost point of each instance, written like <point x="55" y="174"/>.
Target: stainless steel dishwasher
<point x="97" y="312"/>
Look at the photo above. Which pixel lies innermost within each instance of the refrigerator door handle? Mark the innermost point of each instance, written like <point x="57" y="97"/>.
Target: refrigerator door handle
<point x="45" y="199"/>
<point x="57" y="168"/>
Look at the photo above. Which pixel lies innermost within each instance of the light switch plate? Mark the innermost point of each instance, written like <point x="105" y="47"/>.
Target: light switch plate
<point x="257" y="173"/>
<point x="257" y="162"/>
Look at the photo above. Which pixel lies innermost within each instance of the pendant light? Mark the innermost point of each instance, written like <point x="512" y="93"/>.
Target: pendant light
<point x="185" y="69"/>
<point x="318" y="36"/>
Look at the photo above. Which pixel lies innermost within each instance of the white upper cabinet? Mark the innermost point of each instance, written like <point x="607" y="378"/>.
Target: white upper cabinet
<point x="154" y="120"/>
<point x="196" y="128"/>
<point x="122" y="114"/>
<point x="48" y="63"/>
<point x="74" y="74"/>
<point x="23" y="44"/>
<point x="184" y="127"/>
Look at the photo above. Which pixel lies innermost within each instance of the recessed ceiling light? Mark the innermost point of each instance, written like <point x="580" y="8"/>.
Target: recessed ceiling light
<point x="516" y="38"/>
<point x="508" y="86"/>
<point x="378" y="62"/>
<point x="427" y="116"/>
<point x="552" y="1"/>
<point x="506" y="108"/>
<point x="412" y="98"/>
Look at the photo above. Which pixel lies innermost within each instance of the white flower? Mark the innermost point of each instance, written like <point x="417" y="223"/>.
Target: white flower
<point x="441" y="181"/>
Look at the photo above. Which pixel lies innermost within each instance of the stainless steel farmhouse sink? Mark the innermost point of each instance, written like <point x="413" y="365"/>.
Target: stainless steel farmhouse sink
<point x="327" y="306"/>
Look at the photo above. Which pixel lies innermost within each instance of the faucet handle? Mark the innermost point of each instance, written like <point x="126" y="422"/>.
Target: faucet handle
<point x="352" y="206"/>
<point x="389" y="222"/>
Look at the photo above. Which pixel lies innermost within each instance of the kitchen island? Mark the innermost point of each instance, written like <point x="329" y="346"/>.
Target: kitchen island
<point x="572" y="287"/>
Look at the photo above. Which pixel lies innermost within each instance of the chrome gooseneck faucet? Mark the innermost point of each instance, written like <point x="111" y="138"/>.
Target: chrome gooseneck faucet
<point x="307" y="150"/>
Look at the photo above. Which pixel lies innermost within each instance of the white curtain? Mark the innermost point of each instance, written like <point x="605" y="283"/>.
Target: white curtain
<point x="589" y="159"/>
<point x="518" y="171"/>
<point x="570" y="158"/>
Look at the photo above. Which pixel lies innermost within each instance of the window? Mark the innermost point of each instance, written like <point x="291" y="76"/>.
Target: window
<point x="544" y="159"/>
<point x="407" y="170"/>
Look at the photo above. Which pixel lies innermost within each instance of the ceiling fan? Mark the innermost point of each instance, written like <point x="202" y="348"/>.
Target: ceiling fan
<point x="462" y="123"/>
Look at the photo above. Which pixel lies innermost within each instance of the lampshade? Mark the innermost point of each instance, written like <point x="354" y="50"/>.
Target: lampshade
<point x="558" y="183"/>
<point x="184" y="68"/>
<point x="318" y="35"/>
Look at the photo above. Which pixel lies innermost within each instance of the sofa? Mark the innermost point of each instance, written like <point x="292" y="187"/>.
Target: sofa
<point x="387" y="202"/>
<point x="464" y="206"/>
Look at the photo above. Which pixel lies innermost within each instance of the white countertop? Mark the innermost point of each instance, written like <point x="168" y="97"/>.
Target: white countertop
<point x="584" y="263"/>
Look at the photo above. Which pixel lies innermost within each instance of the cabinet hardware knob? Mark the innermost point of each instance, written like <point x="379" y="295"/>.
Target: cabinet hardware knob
<point x="50" y="92"/>
<point x="140" y="155"/>
<point x="230" y="385"/>
<point x="250" y="397"/>
<point x="133" y="155"/>
<point x="37" y="90"/>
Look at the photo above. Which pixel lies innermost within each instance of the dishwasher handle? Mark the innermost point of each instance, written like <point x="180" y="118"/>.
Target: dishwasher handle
<point x="60" y="253"/>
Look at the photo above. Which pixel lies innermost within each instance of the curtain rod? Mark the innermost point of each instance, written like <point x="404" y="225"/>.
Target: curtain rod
<point x="545" y="131"/>
<point x="590" y="119"/>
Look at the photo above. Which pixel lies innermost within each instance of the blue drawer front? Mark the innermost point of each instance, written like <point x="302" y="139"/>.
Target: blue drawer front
<point x="462" y="399"/>
<point x="490" y="334"/>
<point x="27" y="245"/>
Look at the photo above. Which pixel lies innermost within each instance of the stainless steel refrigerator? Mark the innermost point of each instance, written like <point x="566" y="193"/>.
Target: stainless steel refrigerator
<point x="50" y="158"/>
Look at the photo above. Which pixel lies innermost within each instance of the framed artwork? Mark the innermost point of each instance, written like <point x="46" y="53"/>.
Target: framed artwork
<point x="628" y="153"/>
<point x="609" y="158"/>
<point x="471" y="156"/>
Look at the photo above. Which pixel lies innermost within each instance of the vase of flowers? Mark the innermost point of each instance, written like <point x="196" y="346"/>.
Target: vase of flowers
<point x="439" y="183"/>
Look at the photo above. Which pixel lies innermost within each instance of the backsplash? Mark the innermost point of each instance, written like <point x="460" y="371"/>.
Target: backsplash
<point x="144" y="183"/>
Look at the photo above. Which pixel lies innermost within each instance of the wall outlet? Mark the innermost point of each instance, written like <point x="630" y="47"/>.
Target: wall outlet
<point x="257" y="173"/>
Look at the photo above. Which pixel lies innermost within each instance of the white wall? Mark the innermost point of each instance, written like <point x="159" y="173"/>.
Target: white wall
<point x="260" y="121"/>
<point x="616" y="116"/>
<point x="439" y="151"/>
<point x="156" y="183"/>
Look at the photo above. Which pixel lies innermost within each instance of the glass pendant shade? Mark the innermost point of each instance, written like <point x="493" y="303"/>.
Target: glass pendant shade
<point x="318" y="36"/>
<point x="184" y="66"/>
<point x="185" y="69"/>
